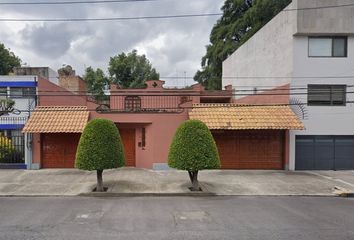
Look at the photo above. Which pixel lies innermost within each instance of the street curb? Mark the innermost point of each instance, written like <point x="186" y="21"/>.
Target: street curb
<point x="110" y="194"/>
<point x="346" y="195"/>
<point x="191" y="194"/>
<point x="343" y="192"/>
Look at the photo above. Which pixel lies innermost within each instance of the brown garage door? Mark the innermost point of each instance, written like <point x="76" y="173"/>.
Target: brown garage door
<point x="128" y="138"/>
<point x="250" y="149"/>
<point x="59" y="150"/>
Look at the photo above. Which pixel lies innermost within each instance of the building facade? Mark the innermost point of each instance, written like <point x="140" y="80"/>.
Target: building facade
<point x="22" y="91"/>
<point x="304" y="57"/>
<point x="146" y="118"/>
<point x="43" y="72"/>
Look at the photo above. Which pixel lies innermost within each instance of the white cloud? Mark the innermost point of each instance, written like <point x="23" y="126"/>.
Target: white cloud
<point x="173" y="46"/>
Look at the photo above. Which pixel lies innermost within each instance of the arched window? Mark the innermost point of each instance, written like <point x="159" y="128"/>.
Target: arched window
<point x="132" y="103"/>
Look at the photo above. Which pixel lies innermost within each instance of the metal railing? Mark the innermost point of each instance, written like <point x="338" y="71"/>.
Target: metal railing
<point x="147" y="104"/>
<point x="12" y="146"/>
<point x="13" y="120"/>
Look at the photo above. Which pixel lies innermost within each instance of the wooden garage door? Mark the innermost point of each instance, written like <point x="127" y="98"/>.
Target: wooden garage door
<point x="59" y="150"/>
<point x="128" y="138"/>
<point x="250" y="149"/>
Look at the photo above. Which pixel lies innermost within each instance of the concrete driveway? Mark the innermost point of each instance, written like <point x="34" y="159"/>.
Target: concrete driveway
<point x="71" y="182"/>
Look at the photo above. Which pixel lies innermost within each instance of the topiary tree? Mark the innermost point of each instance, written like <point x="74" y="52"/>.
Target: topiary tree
<point x="100" y="148"/>
<point x="193" y="149"/>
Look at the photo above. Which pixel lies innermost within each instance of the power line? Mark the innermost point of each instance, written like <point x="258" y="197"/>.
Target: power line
<point x="137" y="91"/>
<point x="127" y="1"/>
<point x="276" y="77"/>
<point x="216" y="105"/>
<point x="317" y="93"/>
<point x="74" y="2"/>
<point x="107" y="19"/>
<point x="128" y="18"/>
<point x="323" y="7"/>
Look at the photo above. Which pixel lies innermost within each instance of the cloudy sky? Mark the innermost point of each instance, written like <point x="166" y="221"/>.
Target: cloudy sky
<point x="174" y="46"/>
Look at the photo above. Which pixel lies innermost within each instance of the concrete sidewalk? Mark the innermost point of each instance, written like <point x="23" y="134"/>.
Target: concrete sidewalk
<point x="71" y="182"/>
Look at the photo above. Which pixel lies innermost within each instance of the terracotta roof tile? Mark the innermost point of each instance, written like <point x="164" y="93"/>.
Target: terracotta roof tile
<point x="239" y="117"/>
<point x="57" y="119"/>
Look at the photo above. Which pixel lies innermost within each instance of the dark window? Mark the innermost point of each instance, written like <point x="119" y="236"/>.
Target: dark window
<point x="18" y="92"/>
<point x="3" y="92"/>
<point x="328" y="46"/>
<point x="29" y="92"/>
<point x="132" y="103"/>
<point x="327" y="95"/>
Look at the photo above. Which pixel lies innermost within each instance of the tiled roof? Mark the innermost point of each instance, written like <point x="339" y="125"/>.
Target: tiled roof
<point x="242" y="117"/>
<point x="57" y="119"/>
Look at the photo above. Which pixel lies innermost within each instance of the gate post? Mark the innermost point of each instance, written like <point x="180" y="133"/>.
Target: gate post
<point x="28" y="150"/>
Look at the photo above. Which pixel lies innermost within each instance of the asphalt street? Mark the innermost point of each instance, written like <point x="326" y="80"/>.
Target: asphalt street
<point x="177" y="218"/>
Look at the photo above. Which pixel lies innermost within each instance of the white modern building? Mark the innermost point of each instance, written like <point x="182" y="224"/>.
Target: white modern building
<point x="308" y="48"/>
<point x="22" y="90"/>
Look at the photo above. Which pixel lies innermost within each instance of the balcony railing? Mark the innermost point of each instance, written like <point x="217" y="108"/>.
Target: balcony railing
<point x="146" y="104"/>
<point x="13" y="120"/>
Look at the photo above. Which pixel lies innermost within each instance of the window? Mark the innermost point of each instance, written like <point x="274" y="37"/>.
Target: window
<point x="18" y="92"/>
<point x="327" y="95"/>
<point x="132" y="103"/>
<point x="3" y="92"/>
<point x="328" y="46"/>
<point x="29" y="92"/>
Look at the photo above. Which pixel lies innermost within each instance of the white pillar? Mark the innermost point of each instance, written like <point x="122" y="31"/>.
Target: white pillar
<point x="292" y="148"/>
<point x="28" y="150"/>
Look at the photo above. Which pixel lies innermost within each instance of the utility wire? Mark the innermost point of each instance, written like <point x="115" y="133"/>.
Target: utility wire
<point x="277" y="77"/>
<point x="217" y="105"/>
<point x="107" y="19"/>
<point x="74" y="2"/>
<point x="322" y="7"/>
<point x="317" y="93"/>
<point x="127" y="1"/>
<point x="129" y="18"/>
<point x="169" y="91"/>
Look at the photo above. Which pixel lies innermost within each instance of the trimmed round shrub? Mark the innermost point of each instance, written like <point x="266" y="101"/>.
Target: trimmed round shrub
<point x="100" y="146"/>
<point x="193" y="148"/>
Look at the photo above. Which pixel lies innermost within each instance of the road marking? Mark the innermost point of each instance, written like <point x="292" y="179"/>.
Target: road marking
<point x="332" y="178"/>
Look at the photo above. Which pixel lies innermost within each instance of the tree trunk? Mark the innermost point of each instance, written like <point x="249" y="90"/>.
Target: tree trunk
<point x="190" y="176"/>
<point x="99" y="187"/>
<point x="194" y="179"/>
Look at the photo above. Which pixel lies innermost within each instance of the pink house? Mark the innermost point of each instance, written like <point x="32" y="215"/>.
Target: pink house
<point x="146" y="118"/>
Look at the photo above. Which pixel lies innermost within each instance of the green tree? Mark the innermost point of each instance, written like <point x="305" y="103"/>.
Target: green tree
<point x="193" y="149"/>
<point x="96" y="82"/>
<point x="6" y="106"/>
<point x="131" y="70"/>
<point x="100" y="147"/>
<point x="8" y="60"/>
<point x="240" y="21"/>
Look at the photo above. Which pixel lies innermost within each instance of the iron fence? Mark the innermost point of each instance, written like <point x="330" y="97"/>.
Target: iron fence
<point x="12" y="146"/>
<point x="148" y="104"/>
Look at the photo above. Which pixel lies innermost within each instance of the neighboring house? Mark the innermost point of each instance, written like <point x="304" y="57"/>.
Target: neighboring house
<point x="308" y="56"/>
<point x="43" y="72"/>
<point x="22" y="90"/>
<point x="72" y="82"/>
